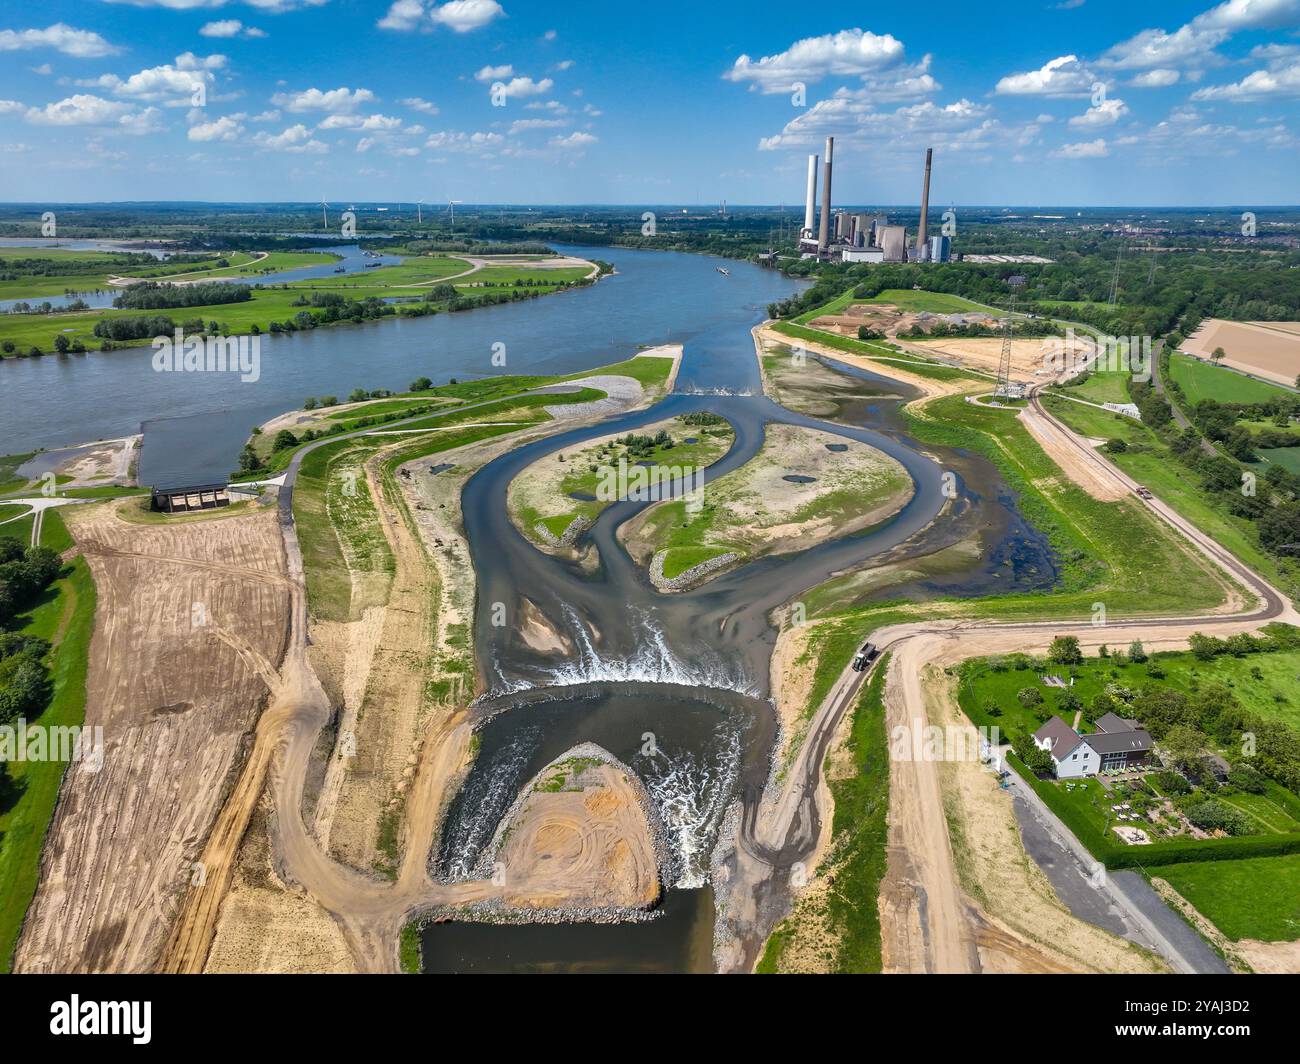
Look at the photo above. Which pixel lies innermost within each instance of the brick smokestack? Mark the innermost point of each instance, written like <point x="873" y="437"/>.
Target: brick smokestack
<point x="923" y="252"/>
<point x="824" y="233"/>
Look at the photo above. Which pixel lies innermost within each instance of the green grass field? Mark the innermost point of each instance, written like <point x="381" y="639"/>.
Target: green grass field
<point x="1150" y="463"/>
<point x="1256" y="898"/>
<point x="1202" y="380"/>
<point x="1286" y="457"/>
<point x="1274" y="695"/>
<point x="1101" y="388"/>
<point x="65" y="617"/>
<point x="277" y="302"/>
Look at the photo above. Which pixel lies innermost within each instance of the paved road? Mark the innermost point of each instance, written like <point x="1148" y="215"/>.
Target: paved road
<point x="1180" y="419"/>
<point x="1121" y="902"/>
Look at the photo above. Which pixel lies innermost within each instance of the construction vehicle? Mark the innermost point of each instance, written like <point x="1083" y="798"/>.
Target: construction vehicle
<point x="865" y="657"/>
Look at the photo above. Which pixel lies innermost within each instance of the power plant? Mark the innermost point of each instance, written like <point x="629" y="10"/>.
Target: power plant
<point x="859" y="237"/>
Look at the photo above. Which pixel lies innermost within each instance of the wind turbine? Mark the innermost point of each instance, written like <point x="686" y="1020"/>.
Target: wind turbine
<point x="419" y="212"/>
<point x="451" y="206"/>
<point x="325" y="218"/>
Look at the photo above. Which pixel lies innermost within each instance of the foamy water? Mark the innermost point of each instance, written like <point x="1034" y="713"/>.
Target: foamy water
<point x="653" y="661"/>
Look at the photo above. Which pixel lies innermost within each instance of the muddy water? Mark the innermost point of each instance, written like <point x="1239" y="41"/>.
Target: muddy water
<point x="636" y="650"/>
<point x="694" y="750"/>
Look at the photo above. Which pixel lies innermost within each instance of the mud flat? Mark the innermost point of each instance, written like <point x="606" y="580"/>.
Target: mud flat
<point x="803" y="487"/>
<point x="89" y="465"/>
<point x="191" y="626"/>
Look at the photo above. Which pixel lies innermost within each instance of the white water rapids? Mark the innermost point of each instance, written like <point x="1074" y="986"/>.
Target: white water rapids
<point x="653" y="661"/>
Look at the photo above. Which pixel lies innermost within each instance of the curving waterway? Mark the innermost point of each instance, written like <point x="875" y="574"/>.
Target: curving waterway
<point x="689" y="670"/>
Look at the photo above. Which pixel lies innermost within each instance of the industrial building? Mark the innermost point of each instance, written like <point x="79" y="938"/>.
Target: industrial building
<point x="841" y="236"/>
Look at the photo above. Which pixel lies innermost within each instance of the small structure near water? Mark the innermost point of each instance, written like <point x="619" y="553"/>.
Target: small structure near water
<point x="189" y="499"/>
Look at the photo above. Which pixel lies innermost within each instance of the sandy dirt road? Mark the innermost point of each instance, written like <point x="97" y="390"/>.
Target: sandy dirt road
<point x="927" y="922"/>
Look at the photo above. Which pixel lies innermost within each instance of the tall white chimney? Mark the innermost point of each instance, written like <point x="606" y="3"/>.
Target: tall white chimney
<point x="810" y="205"/>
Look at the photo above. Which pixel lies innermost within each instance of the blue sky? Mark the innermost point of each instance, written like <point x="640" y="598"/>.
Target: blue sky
<point x="1075" y="102"/>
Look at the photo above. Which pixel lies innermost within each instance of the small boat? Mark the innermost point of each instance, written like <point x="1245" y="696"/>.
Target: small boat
<point x="723" y="270"/>
<point x="341" y="270"/>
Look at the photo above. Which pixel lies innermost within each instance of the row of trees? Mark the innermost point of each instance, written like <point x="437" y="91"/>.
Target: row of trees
<point x="25" y="688"/>
<point x="156" y="295"/>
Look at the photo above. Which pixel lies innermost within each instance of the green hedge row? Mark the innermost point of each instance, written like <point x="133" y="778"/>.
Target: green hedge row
<point x="1120" y="855"/>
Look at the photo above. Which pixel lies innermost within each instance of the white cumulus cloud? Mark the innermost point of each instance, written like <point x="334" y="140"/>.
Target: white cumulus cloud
<point x="83" y="44"/>
<point x="852" y="53"/>
<point x="337" y="101"/>
<point x="1092" y="149"/>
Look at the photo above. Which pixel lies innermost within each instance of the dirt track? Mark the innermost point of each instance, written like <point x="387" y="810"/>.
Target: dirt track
<point x="927" y="922"/>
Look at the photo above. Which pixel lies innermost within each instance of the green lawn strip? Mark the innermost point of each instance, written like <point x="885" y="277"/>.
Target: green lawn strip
<point x="1255" y="898"/>
<point x="11" y="510"/>
<point x="1100" y="388"/>
<point x="858" y="853"/>
<point x="334" y="527"/>
<point x="650" y="371"/>
<point x="68" y="613"/>
<point x="1204" y="380"/>
<point x="54" y="533"/>
<point x="409" y="949"/>
<point x="858" y="857"/>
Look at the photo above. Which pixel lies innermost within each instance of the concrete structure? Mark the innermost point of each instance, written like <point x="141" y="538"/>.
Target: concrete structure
<point x="824" y="233"/>
<point x="862" y="254"/>
<point x="810" y="204"/>
<point x="184" y="500"/>
<point x="892" y="239"/>
<point x="1117" y="744"/>
<point x="921" y="230"/>
<point x="940" y="249"/>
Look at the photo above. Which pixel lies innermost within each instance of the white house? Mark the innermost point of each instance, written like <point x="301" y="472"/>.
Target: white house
<point x="1118" y="743"/>
<point x="1071" y="756"/>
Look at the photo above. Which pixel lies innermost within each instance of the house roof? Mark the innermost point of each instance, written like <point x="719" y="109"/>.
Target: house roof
<point x="1059" y="736"/>
<point x="1119" y="742"/>
<point x="1112" y="722"/>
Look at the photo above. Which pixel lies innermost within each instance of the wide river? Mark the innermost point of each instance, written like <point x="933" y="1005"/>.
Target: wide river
<point x="691" y="668"/>
<point x="196" y="423"/>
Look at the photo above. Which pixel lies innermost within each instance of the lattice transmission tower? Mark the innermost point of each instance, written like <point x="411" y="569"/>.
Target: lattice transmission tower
<point x="1005" y="389"/>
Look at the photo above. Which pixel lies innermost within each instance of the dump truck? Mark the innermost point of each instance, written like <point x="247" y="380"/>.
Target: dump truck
<point x="865" y="657"/>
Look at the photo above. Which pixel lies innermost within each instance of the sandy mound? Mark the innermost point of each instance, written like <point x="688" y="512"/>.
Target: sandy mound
<point x="579" y="837"/>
